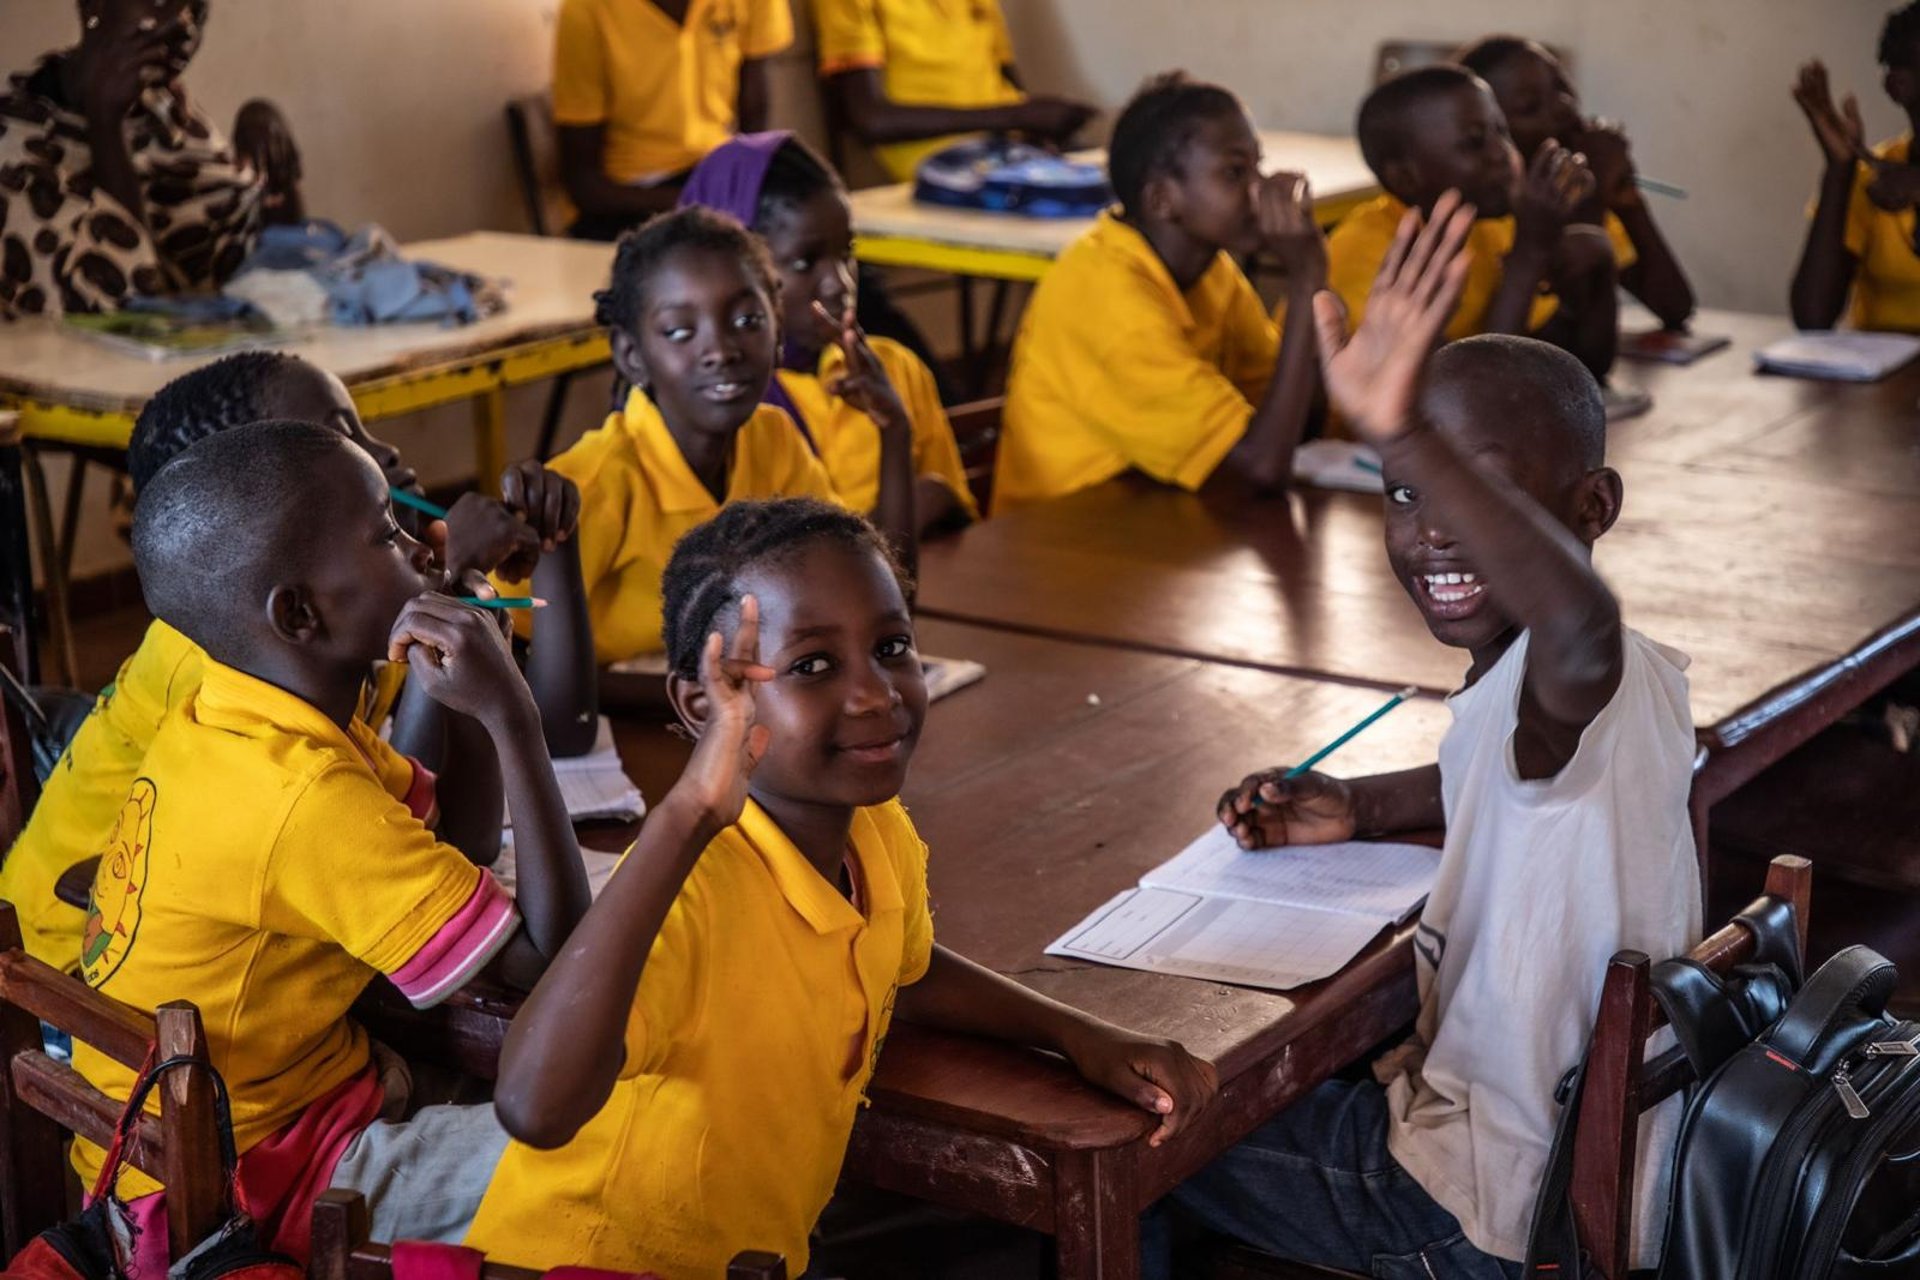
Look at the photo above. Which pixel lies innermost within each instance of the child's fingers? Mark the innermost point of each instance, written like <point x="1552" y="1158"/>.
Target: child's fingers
<point x="746" y="641"/>
<point x="1329" y="324"/>
<point x="1403" y="237"/>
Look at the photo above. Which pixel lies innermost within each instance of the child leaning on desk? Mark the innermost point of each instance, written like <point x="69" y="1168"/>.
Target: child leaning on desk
<point x="1562" y="786"/>
<point x="682" y="1083"/>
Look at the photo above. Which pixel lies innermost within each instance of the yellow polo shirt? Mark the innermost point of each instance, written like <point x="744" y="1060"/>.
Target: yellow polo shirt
<point x="847" y="440"/>
<point x="1115" y="368"/>
<point x="638" y="496"/>
<point x="1886" y="284"/>
<point x="266" y="864"/>
<point x="930" y="53"/>
<point x="667" y="92"/>
<point x="758" y="1020"/>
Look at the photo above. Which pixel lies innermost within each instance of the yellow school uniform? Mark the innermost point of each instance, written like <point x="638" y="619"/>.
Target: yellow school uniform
<point x="266" y="864"/>
<point x="84" y="793"/>
<point x="1115" y="368"/>
<point x="1886" y="284"/>
<point x="638" y="496"/>
<point x="668" y="93"/>
<point x="930" y="53"/>
<point x="847" y="440"/>
<point x="756" y="1025"/>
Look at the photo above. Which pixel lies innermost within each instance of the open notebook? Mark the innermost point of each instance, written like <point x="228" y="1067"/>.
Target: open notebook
<point x="944" y="675"/>
<point x="1338" y="464"/>
<point x="1840" y="355"/>
<point x="1275" y="919"/>
<point x="595" y="786"/>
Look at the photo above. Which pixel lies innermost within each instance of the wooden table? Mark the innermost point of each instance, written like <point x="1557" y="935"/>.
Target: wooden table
<point x="74" y="394"/>
<point x="894" y="231"/>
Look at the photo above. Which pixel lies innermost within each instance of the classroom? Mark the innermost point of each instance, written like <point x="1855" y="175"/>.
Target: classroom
<point x="959" y="639"/>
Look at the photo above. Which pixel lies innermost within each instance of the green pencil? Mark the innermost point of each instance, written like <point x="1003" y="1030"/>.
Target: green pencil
<point x="1348" y="736"/>
<point x="1658" y="187"/>
<point x="503" y="602"/>
<point x="407" y="498"/>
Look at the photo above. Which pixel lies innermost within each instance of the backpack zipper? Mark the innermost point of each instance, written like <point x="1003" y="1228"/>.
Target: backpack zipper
<point x="1823" y="1242"/>
<point x="1843" y="1075"/>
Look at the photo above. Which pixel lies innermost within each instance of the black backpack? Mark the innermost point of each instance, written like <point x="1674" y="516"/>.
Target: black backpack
<point x="1800" y="1155"/>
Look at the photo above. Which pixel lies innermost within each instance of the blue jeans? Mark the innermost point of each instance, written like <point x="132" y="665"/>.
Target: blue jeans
<point x="1316" y="1184"/>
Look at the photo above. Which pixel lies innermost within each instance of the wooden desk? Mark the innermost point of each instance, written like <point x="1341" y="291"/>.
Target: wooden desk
<point x="893" y="231"/>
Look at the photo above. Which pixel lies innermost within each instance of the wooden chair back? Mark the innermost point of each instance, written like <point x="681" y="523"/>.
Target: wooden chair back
<point x="42" y="1100"/>
<point x="536" y="164"/>
<point x="19" y="789"/>
<point x="1621" y="1083"/>
<point x="342" y="1250"/>
<point x="976" y="429"/>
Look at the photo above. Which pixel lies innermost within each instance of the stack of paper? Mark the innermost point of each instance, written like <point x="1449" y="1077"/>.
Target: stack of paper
<point x="1338" y="464"/>
<point x="1671" y="346"/>
<point x="1276" y="919"/>
<point x="944" y="675"/>
<point x="596" y="785"/>
<point x="1838" y="355"/>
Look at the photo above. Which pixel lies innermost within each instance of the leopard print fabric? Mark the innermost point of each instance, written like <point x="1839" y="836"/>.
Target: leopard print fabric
<point x="67" y="245"/>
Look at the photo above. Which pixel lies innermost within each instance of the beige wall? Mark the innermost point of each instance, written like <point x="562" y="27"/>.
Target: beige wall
<point x="397" y="107"/>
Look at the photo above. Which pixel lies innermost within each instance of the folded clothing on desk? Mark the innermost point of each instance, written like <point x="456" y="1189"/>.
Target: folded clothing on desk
<point x="315" y="272"/>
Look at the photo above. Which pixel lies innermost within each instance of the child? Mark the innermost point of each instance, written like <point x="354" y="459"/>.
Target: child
<point x="908" y="76"/>
<point x="682" y="1083"/>
<point x="270" y="860"/>
<point x="1531" y="268"/>
<point x="693" y="310"/>
<point x="1562" y="786"/>
<point x="1541" y="107"/>
<point x="81" y="799"/>
<point x="1862" y="237"/>
<point x="783" y="192"/>
<point x="1144" y="346"/>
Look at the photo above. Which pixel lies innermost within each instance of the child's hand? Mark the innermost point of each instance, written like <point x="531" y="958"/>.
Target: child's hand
<point x="546" y="500"/>
<point x="1895" y="187"/>
<point x="483" y="534"/>
<point x="1555" y="186"/>
<point x="731" y="744"/>
<point x="1271" y="811"/>
<point x="1373" y="377"/>
<point x="1156" y="1075"/>
<point x="459" y="657"/>
<point x="1841" y="135"/>
<point x="1610" y="157"/>
<point x="1054" y="120"/>
<point x="1283" y="202"/>
<point x="865" y="384"/>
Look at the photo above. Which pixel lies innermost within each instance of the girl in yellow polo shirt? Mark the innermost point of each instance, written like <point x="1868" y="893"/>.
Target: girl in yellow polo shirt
<point x="791" y="199"/>
<point x="682" y="1082"/>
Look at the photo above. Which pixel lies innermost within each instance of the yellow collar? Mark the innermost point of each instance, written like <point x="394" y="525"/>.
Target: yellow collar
<point x="817" y="900"/>
<point x="231" y="699"/>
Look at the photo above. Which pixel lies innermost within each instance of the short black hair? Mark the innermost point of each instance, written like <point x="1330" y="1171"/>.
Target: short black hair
<point x="1386" y="112"/>
<point x="1900" y="38"/>
<point x="1543" y="383"/>
<point x="1155" y="127"/>
<point x="1489" y="53"/>
<point x="213" y="398"/>
<point x="642" y="250"/>
<point x="795" y="174"/>
<point x="702" y="575"/>
<point x="219" y="523"/>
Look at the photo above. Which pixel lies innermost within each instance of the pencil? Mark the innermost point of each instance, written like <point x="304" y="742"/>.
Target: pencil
<point x="503" y="602"/>
<point x="1658" y="187"/>
<point x="1348" y="736"/>
<point x="1368" y="465"/>
<point x="407" y="498"/>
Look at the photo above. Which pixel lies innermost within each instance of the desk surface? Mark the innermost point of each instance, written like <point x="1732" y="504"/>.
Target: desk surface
<point x="1332" y="164"/>
<point x="550" y="295"/>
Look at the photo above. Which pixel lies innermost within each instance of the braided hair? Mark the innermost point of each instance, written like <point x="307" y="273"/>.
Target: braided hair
<point x="1155" y="127"/>
<point x="213" y="398"/>
<point x="702" y="576"/>
<point x="642" y="250"/>
<point x="795" y="175"/>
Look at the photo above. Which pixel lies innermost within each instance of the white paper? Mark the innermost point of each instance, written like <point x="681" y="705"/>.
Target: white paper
<point x="1338" y="464"/>
<point x="944" y="675"/>
<point x="596" y="785"/>
<point x="599" y="866"/>
<point x="1847" y="355"/>
<point x="1384" y="883"/>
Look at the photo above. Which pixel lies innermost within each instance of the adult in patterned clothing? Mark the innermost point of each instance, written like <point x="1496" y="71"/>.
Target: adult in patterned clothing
<point x="113" y="183"/>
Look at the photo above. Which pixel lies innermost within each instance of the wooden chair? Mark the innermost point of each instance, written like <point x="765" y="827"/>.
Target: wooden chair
<point x="18" y="786"/>
<point x="976" y="429"/>
<point x="536" y="165"/>
<point x="42" y="1100"/>
<point x="342" y="1251"/>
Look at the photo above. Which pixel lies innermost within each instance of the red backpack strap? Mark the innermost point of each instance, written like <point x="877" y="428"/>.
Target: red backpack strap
<point x="116" y="1150"/>
<point x="418" y="1260"/>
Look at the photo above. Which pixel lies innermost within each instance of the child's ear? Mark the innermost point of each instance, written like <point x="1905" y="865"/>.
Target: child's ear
<point x="1400" y="176"/>
<point x="1160" y="198"/>
<point x="689" y="702"/>
<point x="627" y="358"/>
<point x="291" y="614"/>
<point x="1901" y="85"/>
<point x="1598" y="503"/>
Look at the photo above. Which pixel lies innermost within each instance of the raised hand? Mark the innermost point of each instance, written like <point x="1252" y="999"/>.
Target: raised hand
<point x="1841" y="135"/>
<point x="114" y="64"/>
<point x="1053" y="120"/>
<point x="864" y="384"/>
<point x="484" y="534"/>
<point x="1283" y="204"/>
<point x="1156" y="1075"/>
<point x="1269" y="810"/>
<point x="1554" y="187"/>
<point x="1610" y="157"/>
<point x="731" y="741"/>
<point x="545" y="499"/>
<point x="459" y="658"/>
<point x="1373" y="376"/>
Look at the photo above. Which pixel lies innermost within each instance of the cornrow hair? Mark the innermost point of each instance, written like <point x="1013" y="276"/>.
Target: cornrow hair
<point x="1155" y="126"/>
<point x="642" y="250"/>
<point x="795" y="175"/>
<point x="1900" y="38"/>
<point x="702" y="575"/>
<point x="213" y="398"/>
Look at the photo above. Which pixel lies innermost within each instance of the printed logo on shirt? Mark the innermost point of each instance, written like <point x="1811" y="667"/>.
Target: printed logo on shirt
<point x="113" y="910"/>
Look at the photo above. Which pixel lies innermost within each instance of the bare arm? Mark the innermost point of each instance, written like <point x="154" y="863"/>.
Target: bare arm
<point x="878" y="119"/>
<point x="582" y="153"/>
<point x="1555" y="185"/>
<point x="560" y="665"/>
<point x="472" y="798"/>
<point x="1825" y="273"/>
<point x="1655" y="276"/>
<point x="755" y="103"/>
<point x="1264" y="455"/>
